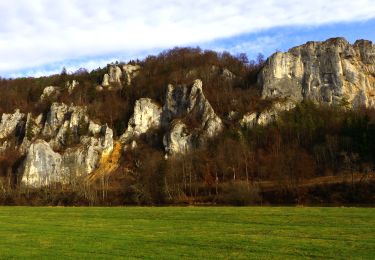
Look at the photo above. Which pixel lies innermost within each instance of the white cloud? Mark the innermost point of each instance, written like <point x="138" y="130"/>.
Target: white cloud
<point x="39" y="32"/>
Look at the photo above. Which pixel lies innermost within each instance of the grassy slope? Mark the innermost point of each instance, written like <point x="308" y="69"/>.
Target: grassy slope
<point x="179" y="233"/>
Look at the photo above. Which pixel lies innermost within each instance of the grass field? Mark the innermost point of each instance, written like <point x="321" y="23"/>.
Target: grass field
<point x="187" y="233"/>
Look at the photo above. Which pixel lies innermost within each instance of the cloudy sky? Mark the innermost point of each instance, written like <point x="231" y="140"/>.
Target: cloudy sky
<point x="39" y="37"/>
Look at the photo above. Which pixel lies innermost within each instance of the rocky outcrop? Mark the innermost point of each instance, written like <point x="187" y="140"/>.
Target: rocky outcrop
<point x="105" y="82"/>
<point x="42" y="165"/>
<point x="113" y="77"/>
<point x="81" y="144"/>
<point x="130" y="72"/>
<point x="147" y="115"/>
<point x="81" y="161"/>
<point x="115" y="74"/>
<point x="71" y="86"/>
<point x="32" y="129"/>
<point x="9" y="126"/>
<point x="324" y="72"/>
<point x="50" y="93"/>
<point x="179" y="139"/>
<point x="186" y="117"/>
<point x="266" y="116"/>
<point x="189" y="106"/>
<point x="9" y="123"/>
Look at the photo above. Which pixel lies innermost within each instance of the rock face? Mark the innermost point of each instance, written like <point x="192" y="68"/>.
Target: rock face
<point x="147" y="115"/>
<point x="105" y="82"/>
<point x="268" y="115"/>
<point x="113" y="77"/>
<point x="189" y="106"/>
<point x="179" y="139"/>
<point x="186" y="117"/>
<point x="9" y="126"/>
<point x="324" y="72"/>
<point x="50" y="92"/>
<point x="71" y="85"/>
<point x="130" y="72"/>
<point x="64" y="126"/>
<point x="115" y="74"/>
<point x="9" y="123"/>
<point x="42" y="165"/>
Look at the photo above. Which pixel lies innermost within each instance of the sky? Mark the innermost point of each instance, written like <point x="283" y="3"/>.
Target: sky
<point x="40" y="37"/>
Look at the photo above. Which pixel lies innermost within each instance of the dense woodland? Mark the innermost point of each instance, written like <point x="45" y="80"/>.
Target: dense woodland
<point x="310" y="155"/>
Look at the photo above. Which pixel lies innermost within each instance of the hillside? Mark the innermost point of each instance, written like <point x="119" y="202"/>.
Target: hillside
<point x="193" y="126"/>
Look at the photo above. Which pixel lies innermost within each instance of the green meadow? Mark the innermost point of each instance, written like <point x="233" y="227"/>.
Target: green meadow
<point x="186" y="233"/>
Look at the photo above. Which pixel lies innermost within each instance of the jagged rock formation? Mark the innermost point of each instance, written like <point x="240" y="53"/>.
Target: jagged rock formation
<point x="115" y="74"/>
<point x="266" y="116"/>
<point x="50" y="92"/>
<point x="147" y="115"/>
<point x="9" y="126"/>
<point x="63" y="147"/>
<point x="42" y="165"/>
<point x="190" y="104"/>
<point x="105" y="82"/>
<point x="71" y="85"/>
<point x="187" y="118"/>
<point x="9" y="123"/>
<point x="324" y="72"/>
<point x="130" y="72"/>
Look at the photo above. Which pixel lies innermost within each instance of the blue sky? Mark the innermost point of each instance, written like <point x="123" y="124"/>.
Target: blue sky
<point x="39" y="37"/>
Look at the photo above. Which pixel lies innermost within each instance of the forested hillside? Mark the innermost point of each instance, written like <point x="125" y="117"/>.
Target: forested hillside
<point x="192" y="127"/>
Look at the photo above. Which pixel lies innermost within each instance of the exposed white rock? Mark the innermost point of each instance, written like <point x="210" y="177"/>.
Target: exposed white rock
<point x="179" y="140"/>
<point x="112" y="77"/>
<point x="130" y="72"/>
<point x="55" y="119"/>
<point x="227" y="74"/>
<point x="72" y="85"/>
<point x="188" y="102"/>
<point x="115" y="74"/>
<point x="32" y="128"/>
<point x="81" y="161"/>
<point x="267" y="116"/>
<point x="324" y="72"/>
<point x="42" y="165"/>
<point x="94" y="128"/>
<point x="249" y="120"/>
<point x="105" y="82"/>
<point x="50" y="92"/>
<point x="146" y="116"/>
<point x="9" y="123"/>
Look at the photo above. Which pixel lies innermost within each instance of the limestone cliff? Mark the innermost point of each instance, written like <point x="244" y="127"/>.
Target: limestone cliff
<point x="186" y="117"/>
<point x="66" y="146"/>
<point x="325" y="72"/>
